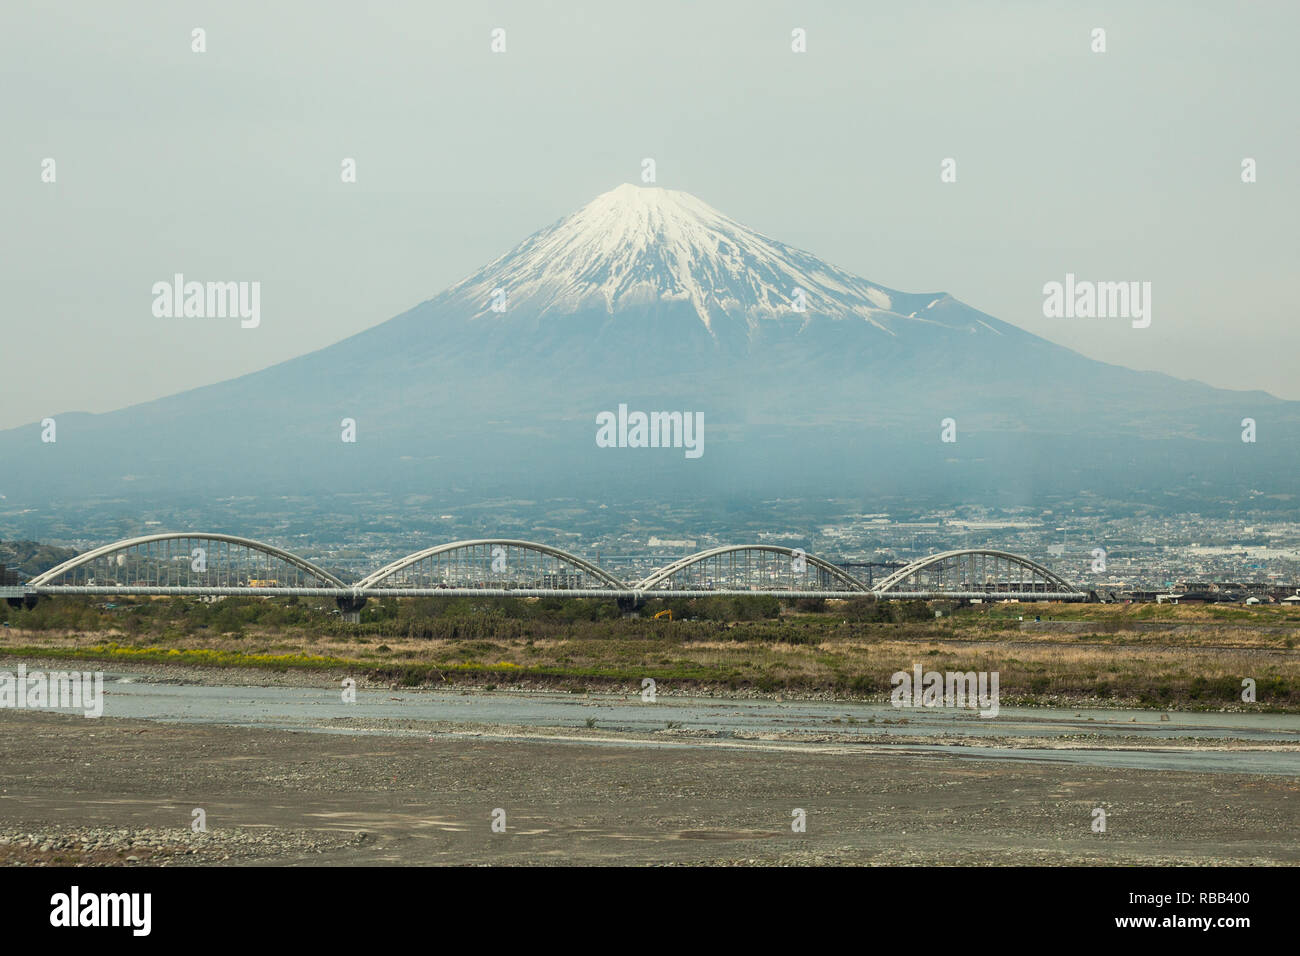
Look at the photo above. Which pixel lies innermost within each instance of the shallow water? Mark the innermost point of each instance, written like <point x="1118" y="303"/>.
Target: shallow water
<point x="734" y="722"/>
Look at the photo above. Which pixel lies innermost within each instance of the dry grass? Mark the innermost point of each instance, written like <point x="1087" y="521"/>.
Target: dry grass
<point x="1108" y="654"/>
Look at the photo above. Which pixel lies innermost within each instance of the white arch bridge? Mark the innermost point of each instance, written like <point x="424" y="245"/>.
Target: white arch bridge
<point x="201" y="563"/>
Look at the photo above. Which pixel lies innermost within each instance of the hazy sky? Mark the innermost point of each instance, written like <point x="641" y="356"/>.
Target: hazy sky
<point x="225" y="165"/>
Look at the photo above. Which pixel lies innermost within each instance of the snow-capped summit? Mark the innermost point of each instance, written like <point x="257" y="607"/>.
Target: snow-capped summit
<point x="642" y="245"/>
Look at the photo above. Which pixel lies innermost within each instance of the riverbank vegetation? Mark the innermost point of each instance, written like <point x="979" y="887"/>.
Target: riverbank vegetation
<point x="1140" y="655"/>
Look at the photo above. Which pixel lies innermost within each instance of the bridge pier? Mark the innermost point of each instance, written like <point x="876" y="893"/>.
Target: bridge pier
<point x="27" y="601"/>
<point x="631" y="606"/>
<point x="350" y="608"/>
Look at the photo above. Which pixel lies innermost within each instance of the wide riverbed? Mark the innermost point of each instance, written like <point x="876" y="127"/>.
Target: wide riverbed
<point x="1236" y="742"/>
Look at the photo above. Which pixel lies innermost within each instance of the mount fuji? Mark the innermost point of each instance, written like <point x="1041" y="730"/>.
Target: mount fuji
<point x="812" y="381"/>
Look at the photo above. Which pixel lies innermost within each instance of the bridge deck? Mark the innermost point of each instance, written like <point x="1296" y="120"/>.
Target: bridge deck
<point x="611" y="593"/>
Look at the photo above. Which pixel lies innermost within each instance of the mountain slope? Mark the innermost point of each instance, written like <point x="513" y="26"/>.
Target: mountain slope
<point x="812" y="381"/>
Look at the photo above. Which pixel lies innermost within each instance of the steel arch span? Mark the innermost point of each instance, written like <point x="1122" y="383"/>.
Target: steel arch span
<point x="490" y="563"/>
<point x="827" y="577"/>
<point x="972" y="563"/>
<point x="153" y="560"/>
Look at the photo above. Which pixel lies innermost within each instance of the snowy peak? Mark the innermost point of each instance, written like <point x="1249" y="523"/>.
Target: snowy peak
<point x="639" y="245"/>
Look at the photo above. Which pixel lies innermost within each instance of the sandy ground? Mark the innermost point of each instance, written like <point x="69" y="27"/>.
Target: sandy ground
<point x="114" y="791"/>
